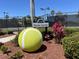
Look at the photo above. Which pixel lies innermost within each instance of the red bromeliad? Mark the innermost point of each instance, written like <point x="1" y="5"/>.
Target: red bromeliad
<point x="58" y="30"/>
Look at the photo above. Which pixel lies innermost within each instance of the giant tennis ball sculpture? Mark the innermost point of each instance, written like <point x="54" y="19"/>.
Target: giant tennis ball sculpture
<point x="30" y="39"/>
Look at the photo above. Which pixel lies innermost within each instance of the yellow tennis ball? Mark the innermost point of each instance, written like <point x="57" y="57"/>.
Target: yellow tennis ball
<point x="30" y="39"/>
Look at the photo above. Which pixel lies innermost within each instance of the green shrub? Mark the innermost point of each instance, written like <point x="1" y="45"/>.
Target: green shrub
<point x="4" y="49"/>
<point x="71" y="45"/>
<point x="10" y="32"/>
<point x="6" y="32"/>
<point x="43" y="29"/>
<point x="2" y="33"/>
<point x="15" y="40"/>
<point x="17" y="55"/>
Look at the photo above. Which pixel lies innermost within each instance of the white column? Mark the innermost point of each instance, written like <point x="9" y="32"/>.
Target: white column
<point x="32" y="10"/>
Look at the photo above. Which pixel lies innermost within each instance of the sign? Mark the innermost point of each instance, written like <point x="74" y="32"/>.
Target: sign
<point x="40" y="24"/>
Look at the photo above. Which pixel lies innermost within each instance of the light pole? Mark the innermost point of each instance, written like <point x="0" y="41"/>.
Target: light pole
<point x="45" y="11"/>
<point x="32" y="10"/>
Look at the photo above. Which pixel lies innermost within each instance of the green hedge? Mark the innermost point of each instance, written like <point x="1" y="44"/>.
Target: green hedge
<point x="6" y="32"/>
<point x="71" y="45"/>
<point x="2" y="33"/>
<point x="71" y="30"/>
<point x="42" y="29"/>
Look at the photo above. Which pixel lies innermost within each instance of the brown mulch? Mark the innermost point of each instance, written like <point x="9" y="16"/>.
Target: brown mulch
<point x="5" y="35"/>
<point x="49" y="50"/>
<point x="4" y="56"/>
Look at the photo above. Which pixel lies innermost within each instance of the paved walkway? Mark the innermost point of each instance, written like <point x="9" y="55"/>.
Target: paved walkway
<point x="6" y="39"/>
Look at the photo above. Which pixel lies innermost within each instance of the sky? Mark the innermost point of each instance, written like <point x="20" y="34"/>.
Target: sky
<point x="22" y="7"/>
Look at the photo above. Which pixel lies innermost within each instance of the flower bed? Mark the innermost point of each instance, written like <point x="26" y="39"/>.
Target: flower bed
<point x="47" y="50"/>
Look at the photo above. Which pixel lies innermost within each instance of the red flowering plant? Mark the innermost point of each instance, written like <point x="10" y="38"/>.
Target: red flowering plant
<point x="58" y="30"/>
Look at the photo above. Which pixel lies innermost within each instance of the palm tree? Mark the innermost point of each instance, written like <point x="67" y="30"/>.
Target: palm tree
<point x="6" y="16"/>
<point x="42" y="9"/>
<point x="4" y="13"/>
<point x="24" y="21"/>
<point x="52" y="12"/>
<point x="48" y="8"/>
<point x="7" y="19"/>
<point x="78" y="14"/>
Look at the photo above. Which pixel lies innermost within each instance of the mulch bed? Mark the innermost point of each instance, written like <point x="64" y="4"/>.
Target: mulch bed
<point x="49" y="50"/>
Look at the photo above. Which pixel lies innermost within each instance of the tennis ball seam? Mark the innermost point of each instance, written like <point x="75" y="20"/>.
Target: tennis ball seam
<point x="24" y="34"/>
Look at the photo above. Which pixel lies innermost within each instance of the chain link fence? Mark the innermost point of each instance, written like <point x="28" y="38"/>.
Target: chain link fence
<point x="15" y="24"/>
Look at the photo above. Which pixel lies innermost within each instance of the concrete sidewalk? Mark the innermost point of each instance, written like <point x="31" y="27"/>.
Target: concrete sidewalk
<point x="6" y="39"/>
